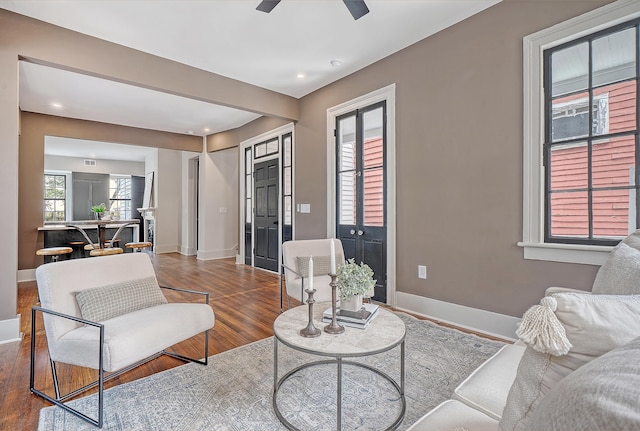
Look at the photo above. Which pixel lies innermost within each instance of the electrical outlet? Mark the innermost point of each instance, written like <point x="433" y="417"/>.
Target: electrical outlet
<point x="422" y="271"/>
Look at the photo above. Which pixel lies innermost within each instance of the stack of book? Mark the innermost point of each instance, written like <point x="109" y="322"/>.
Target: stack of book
<point x="355" y="319"/>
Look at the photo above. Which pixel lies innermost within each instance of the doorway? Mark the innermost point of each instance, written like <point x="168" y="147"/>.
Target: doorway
<point x="361" y="191"/>
<point x="267" y="215"/>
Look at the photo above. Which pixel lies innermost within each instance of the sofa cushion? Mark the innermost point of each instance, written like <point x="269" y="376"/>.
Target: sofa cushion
<point x="452" y="415"/>
<point x="486" y="389"/>
<point x="620" y="274"/>
<point x="594" y="325"/>
<point x="102" y="303"/>
<point x="600" y="396"/>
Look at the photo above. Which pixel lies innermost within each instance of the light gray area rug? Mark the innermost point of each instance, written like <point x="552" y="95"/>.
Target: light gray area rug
<point x="234" y="392"/>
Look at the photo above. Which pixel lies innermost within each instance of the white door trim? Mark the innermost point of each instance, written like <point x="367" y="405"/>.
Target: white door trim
<point x="275" y="133"/>
<point x="387" y="94"/>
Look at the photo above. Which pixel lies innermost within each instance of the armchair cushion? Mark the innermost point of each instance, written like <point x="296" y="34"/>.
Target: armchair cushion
<point x="133" y="337"/>
<point x="102" y="303"/>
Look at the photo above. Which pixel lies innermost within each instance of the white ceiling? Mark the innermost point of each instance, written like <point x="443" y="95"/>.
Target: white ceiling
<point x="227" y="37"/>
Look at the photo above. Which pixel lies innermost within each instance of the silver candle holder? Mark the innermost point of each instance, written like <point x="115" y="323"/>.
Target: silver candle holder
<point x="310" y="331"/>
<point x="334" y="327"/>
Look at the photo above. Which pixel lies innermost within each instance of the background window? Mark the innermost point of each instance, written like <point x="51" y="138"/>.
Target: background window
<point x="591" y="138"/>
<point x="120" y="197"/>
<point x="55" y="192"/>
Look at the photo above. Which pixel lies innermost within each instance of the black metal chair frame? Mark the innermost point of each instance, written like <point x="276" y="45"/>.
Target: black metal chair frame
<point x="59" y="400"/>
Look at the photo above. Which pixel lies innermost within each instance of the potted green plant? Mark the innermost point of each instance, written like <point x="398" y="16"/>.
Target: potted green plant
<point x="354" y="282"/>
<point x="98" y="210"/>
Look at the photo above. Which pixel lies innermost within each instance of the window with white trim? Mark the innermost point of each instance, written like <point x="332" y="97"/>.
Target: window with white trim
<point x="580" y="184"/>
<point x="55" y="197"/>
<point x="120" y="197"/>
<point x="591" y="137"/>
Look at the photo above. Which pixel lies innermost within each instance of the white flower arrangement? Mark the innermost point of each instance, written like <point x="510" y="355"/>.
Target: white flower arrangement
<point x="354" y="279"/>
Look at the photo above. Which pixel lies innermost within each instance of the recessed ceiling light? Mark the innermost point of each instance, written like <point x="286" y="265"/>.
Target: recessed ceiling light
<point x="300" y="76"/>
<point x="207" y="130"/>
<point x="336" y="63"/>
<point x="56" y="105"/>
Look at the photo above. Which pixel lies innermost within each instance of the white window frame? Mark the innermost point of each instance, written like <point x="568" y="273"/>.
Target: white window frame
<point x="533" y="131"/>
<point x="68" y="201"/>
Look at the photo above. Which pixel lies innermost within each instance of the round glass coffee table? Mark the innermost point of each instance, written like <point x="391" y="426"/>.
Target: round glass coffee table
<point x="385" y="332"/>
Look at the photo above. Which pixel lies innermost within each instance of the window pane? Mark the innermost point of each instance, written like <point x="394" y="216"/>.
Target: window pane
<point x="568" y="166"/>
<point x="570" y="69"/>
<point x="346" y="144"/>
<point x="261" y="150"/>
<point x="247" y="161"/>
<point x="347" y="193"/>
<point x="374" y="197"/>
<point x="569" y="214"/>
<point x="247" y="213"/>
<point x="373" y="135"/>
<point x="287" y="150"/>
<point x="272" y="146"/>
<point x="287" y="181"/>
<point x="287" y="210"/>
<point x="614" y="57"/>
<point x="611" y="213"/>
<point x="614" y="162"/>
<point x="247" y="186"/>
<point x="570" y="117"/>
<point x="614" y="108"/>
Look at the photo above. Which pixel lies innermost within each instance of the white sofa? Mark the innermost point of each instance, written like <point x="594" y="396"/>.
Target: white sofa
<point x="478" y="401"/>
<point x="579" y="367"/>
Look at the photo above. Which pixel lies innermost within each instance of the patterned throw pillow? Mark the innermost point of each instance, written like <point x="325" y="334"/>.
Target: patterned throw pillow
<point x="103" y="303"/>
<point x="321" y="265"/>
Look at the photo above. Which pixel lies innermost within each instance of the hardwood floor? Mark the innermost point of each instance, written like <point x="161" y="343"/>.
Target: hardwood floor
<point x="245" y="300"/>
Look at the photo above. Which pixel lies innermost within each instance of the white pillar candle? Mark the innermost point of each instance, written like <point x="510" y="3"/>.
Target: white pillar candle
<point x="332" y="257"/>
<point x="311" y="273"/>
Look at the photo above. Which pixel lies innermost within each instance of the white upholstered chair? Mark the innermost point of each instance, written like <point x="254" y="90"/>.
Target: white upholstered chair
<point x="109" y="314"/>
<point x="295" y="258"/>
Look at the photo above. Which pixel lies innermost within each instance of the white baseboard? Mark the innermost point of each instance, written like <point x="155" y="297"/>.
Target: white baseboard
<point x="239" y="260"/>
<point x="10" y="330"/>
<point x="188" y="251"/>
<point x="26" y="275"/>
<point x="160" y="249"/>
<point x="217" y="254"/>
<point x="482" y="321"/>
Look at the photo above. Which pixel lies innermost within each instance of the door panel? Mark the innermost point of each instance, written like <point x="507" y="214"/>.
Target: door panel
<point x="267" y="214"/>
<point x="361" y="190"/>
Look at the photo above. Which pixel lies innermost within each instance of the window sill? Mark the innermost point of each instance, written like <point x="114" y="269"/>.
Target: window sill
<point x="568" y="253"/>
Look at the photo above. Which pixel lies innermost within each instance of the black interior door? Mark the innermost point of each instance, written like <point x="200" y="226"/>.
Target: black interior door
<point x="361" y="190"/>
<point x="266" y="214"/>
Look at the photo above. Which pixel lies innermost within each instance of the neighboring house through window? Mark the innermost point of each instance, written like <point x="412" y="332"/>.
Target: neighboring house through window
<point x="581" y="144"/>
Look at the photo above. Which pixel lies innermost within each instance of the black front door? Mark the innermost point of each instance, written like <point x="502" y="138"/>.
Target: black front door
<point x="266" y="218"/>
<point x="361" y="191"/>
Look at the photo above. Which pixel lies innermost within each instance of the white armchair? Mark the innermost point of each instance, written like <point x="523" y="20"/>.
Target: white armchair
<point x="109" y="314"/>
<point x="295" y="258"/>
